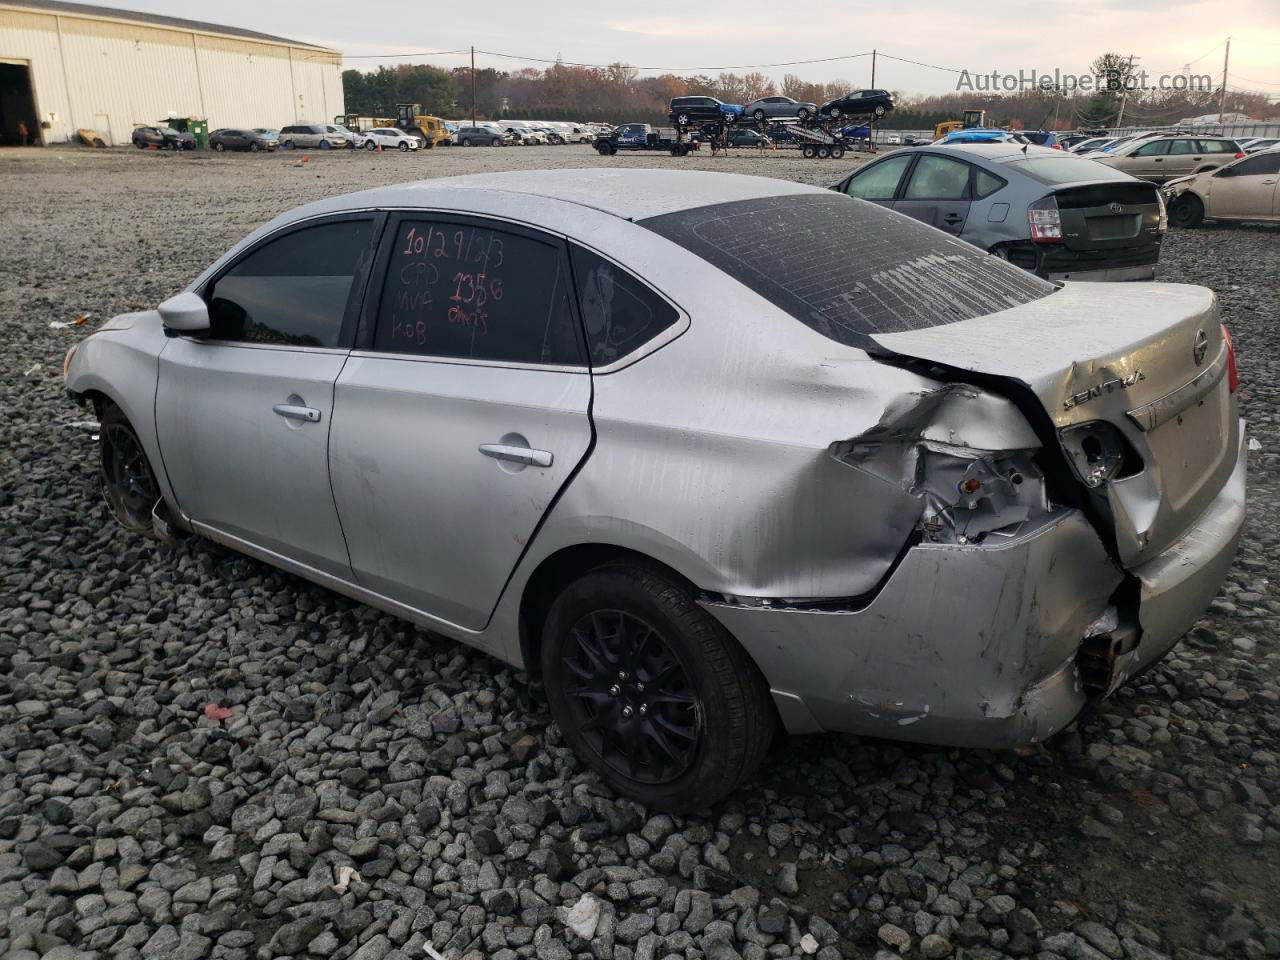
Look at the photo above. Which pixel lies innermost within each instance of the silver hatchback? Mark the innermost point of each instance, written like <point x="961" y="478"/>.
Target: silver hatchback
<point x="778" y="108"/>
<point x="707" y="453"/>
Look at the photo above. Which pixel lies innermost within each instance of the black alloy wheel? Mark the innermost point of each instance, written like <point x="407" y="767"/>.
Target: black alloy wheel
<point x="631" y="696"/>
<point x="650" y="690"/>
<point x="127" y="480"/>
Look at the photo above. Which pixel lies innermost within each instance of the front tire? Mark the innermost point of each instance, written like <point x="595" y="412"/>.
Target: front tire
<point x="220" y="147"/>
<point x="1187" y="211"/>
<point x="651" y="691"/>
<point x="879" y="110"/>
<point x="802" y="113"/>
<point x="835" y="113"/>
<point x="128" y="483"/>
<point x="759" y="115"/>
<point x="403" y="147"/>
<point x="325" y="145"/>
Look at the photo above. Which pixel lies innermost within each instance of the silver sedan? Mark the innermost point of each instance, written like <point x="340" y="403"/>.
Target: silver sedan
<point x="710" y="454"/>
<point x="778" y="108"/>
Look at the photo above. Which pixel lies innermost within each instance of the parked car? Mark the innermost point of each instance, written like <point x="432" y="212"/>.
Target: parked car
<point x="580" y="134"/>
<point x="892" y="140"/>
<point x="552" y="135"/>
<point x="980" y="135"/>
<point x="1162" y="158"/>
<point x="1091" y="145"/>
<point x="860" y="103"/>
<point x="162" y="138"/>
<point x="1070" y="140"/>
<point x="747" y="137"/>
<point x="389" y="138"/>
<point x="1246" y="189"/>
<point x="450" y="134"/>
<point x="479" y="137"/>
<point x="239" y="139"/>
<point x="1042" y="138"/>
<point x="1060" y="217"/>
<point x="322" y="135"/>
<point x="778" y="108"/>
<point x="696" y="111"/>
<point x="1258" y="144"/>
<point x="268" y="133"/>
<point x="1003" y="499"/>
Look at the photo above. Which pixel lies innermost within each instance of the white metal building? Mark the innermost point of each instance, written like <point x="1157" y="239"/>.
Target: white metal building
<point x="67" y="66"/>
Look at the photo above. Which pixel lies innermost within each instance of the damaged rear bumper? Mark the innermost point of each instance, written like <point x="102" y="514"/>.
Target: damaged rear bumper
<point x="976" y="645"/>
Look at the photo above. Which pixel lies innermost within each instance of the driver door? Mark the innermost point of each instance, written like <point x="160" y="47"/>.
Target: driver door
<point x="1246" y="189"/>
<point x="243" y="414"/>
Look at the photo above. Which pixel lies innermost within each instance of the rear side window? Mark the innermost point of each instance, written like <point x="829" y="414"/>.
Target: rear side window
<point x="1218" y="146"/>
<point x="464" y="290"/>
<point x="292" y="291"/>
<point x="985" y="184"/>
<point x="937" y="178"/>
<point x="846" y="269"/>
<point x="618" y="311"/>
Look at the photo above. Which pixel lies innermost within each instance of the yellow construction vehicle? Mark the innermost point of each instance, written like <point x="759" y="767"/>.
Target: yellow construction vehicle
<point x="358" y="124"/>
<point x="972" y="118"/>
<point x="428" y="129"/>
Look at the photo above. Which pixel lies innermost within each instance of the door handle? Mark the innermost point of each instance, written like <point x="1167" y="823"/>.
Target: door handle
<point x="952" y="218"/>
<point x="292" y="411"/>
<point x="525" y="455"/>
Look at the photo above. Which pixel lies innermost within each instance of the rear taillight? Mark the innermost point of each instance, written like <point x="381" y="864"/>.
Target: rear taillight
<point x="1233" y="374"/>
<point x="1162" y="220"/>
<point x="1045" y="221"/>
<point x="1057" y="146"/>
<point x="1240" y="155"/>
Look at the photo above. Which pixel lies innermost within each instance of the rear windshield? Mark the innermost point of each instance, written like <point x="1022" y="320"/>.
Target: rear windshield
<point x="848" y="268"/>
<point x="1065" y="169"/>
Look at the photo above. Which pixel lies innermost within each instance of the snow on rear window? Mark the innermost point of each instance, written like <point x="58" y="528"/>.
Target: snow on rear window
<point x="846" y="267"/>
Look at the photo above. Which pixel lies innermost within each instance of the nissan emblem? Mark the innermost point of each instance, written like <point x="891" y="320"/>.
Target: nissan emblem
<point x="1200" y="347"/>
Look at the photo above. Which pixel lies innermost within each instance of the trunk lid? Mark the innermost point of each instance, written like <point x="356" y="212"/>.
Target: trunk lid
<point x="1149" y="359"/>
<point x="1102" y="216"/>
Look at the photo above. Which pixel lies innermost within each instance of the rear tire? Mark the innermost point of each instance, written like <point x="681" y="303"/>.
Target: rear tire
<point x="824" y="152"/>
<point x="651" y="691"/>
<point x="1187" y="211"/>
<point x="128" y="482"/>
<point x="220" y="147"/>
<point x="808" y="151"/>
<point x="837" y="152"/>
<point x="879" y="110"/>
<point x="802" y="113"/>
<point x="835" y="113"/>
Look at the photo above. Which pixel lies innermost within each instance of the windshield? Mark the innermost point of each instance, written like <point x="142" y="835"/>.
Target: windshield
<point x="848" y="268"/>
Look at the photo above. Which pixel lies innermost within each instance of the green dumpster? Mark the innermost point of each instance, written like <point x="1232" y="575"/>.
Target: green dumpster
<point x="199" y="129"/>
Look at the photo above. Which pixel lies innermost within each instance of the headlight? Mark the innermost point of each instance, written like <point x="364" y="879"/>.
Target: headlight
<point x="1096" y="451"/>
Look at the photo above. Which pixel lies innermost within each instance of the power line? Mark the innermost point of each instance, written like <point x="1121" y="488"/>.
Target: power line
<point x="390" y="56"/>
<point x="741" y="66"/>
<point x="931" y="66"/>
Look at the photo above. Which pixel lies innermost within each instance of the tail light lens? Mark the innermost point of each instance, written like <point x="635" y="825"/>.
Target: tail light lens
<point x="1240" y="154"/>
<point x="1045" y="221"/>
<point x="1057" y="146"/>
<point x="1233" y="374"/>
<point x="1162" y="223"/>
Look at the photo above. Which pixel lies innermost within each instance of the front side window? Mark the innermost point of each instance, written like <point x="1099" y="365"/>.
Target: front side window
<point x="619" y="312"/>
<point x="465" y="290"/>
<point x="1256" y="166"/>
<point x="938" y="178"/>
<point x="293" y="291"/>
<point x="879" y="181"/>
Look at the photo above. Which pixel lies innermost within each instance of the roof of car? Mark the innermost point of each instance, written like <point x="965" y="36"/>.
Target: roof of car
<point x="630" y="194"/>
<point x="997" y="152"/>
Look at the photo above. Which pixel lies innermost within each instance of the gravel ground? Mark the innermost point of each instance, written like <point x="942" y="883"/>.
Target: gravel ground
<point x="359" y="789"/>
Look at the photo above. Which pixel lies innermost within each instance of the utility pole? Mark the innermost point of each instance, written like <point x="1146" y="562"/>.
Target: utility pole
<point x="873" y="68"/>
<point x="473" y="85"/>
<point x="1124" y="93"/>
<point x="1222" y="100"/>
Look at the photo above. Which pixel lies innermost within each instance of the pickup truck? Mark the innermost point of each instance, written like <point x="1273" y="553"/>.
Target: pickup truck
<point x="641" y="136"/>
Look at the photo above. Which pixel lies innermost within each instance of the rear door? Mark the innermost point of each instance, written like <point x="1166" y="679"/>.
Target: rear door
<point x="937" y="193"/>
<point x="1185" y="155"/>
<point x="244" y="414"/>
<point x="462" y="412"/>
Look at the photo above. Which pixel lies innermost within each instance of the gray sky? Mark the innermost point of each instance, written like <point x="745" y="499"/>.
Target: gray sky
<point x="997" y="35"/>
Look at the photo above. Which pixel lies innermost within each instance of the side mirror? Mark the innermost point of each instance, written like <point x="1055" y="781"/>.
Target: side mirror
<point x="186" y="313"/>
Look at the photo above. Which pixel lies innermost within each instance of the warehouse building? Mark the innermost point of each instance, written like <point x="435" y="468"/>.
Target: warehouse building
<point x="71" y="66"/>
